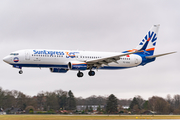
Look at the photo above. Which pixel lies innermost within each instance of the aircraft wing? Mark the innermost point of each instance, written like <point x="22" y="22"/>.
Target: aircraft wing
<point x="99" y="62"/>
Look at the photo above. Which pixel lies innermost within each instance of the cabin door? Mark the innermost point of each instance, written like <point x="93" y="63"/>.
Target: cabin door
<point x="136" y="60"/>
<point x="27" y="55"/>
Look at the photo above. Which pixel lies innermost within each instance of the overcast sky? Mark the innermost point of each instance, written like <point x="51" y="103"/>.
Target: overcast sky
<point x="92" y="25"/>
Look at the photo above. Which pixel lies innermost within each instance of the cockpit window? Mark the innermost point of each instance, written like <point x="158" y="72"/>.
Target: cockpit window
<point x="14" y="54"/>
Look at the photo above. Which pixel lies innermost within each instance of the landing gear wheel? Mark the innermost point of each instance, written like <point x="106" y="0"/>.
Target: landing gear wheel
<point x="20" y="72"/>
<point x="91" y="73"/>
<point x="80" y="74"/>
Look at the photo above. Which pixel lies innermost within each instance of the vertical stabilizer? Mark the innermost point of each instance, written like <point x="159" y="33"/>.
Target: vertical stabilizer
<point x="148" y="43"/>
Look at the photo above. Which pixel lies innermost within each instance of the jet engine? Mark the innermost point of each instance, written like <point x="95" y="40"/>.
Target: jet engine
<point x="77" y="65"/>
<point x="58" y="70"/>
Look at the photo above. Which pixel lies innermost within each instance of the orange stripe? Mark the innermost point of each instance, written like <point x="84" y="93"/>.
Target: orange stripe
<point x="150" y="49"/>
<point x="79" y="64"/>
<point x="132" y="50"/>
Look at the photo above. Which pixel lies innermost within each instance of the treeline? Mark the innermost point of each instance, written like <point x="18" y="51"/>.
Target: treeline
<point x="60" y="100"/>
<point x="43" y="101"/>
<point x="157" y="104"/>
<point x="100" y="100"/>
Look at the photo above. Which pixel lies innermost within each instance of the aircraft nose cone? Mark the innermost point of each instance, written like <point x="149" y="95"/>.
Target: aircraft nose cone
<point x="6" y="59"/>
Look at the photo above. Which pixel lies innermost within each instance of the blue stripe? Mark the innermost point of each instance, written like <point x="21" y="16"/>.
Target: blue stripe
<point x="112" y="67"/>
<point x="63" y="66"/>
<point x="41" y="65"/>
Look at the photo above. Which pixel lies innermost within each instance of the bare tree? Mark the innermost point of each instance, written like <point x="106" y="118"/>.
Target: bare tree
<point x="41" y="100"/>
<point x="124" y="102"/>
<point x="176" y="101"/>
<point x="21" y="100"/>
<point x="140" y="101"/>
<point x="51" y="101"/>
<point x="159" y="105"/>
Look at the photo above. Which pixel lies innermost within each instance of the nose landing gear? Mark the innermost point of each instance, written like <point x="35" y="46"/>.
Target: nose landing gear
<point x="20" y="71"/>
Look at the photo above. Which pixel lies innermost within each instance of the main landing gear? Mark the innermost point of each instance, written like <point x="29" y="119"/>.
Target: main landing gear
<point x="90" y="73"/>
<point x="20" y="71"/>
<point x="80" y="74"/>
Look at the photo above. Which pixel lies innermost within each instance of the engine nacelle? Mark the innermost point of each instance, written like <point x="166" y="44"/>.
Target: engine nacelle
<point x="58" y="70"/>
<point x="77" y="65"/>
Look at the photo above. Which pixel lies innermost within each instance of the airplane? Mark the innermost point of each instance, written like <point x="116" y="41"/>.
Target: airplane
<point x="60" y="61"/>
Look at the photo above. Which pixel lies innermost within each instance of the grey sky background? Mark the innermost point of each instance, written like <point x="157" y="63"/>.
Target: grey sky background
<point x="92" y="25"/>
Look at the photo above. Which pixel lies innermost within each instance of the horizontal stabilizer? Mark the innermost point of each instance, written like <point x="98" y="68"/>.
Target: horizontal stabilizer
<point x="154" y="56"/>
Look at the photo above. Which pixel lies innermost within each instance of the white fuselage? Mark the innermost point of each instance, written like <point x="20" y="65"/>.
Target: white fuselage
<point x="61" y="58"/>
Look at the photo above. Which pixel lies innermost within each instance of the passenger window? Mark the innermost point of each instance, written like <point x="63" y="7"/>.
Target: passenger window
<point x="14" y="54"/>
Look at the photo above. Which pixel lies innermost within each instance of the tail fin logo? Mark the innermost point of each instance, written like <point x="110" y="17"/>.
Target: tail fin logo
<point x="154" y="40"/>
<point x="146" y="40"/>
